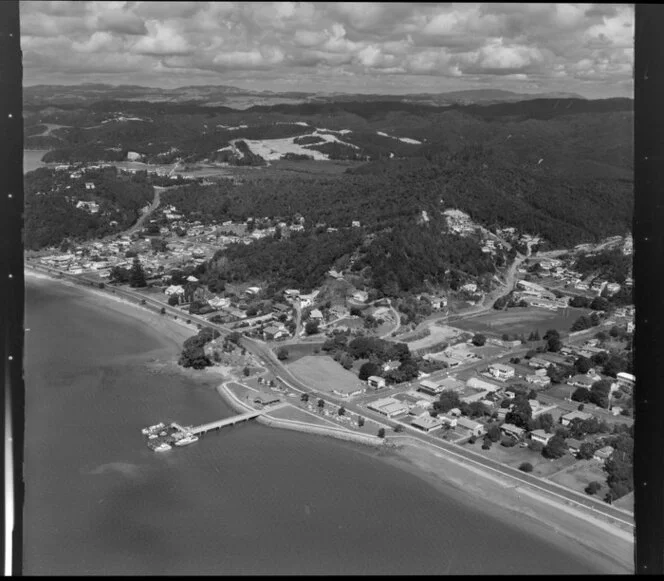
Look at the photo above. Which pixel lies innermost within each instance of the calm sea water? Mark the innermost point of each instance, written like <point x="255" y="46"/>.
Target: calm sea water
<point x="250" y="500"/>
<point x="32" y="159"/>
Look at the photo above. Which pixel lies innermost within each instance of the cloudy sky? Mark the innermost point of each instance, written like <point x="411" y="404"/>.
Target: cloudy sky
<point x="328" y="46"/>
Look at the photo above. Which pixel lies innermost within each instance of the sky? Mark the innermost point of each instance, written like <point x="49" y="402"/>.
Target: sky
<point x="350" y="47"/>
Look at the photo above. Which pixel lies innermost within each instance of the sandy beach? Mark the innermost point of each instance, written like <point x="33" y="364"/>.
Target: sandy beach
<point x="609" y="547"/>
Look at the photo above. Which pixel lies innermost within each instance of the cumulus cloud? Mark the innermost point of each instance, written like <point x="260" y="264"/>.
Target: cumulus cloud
<point x="575" y="47"/>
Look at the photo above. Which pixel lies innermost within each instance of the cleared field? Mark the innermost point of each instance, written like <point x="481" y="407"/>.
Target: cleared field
<point x="298" y="415"/>
<point x="582" y="473"/>
<point x="516" y="455"/>
<point x="521" y="320"/>
<point x="438" y="333"/>
<point x="298" y="350"/>
<point x="322" y="372"/>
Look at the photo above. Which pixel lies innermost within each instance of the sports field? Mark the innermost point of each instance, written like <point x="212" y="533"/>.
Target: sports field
<point x="520" y="320"/>
<point x="323" y="373"/>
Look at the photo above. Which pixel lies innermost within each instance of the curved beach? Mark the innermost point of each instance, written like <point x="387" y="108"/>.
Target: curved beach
<point x="604" y="547"/>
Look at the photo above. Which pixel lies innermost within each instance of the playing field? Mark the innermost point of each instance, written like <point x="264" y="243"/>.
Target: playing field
<point x="323" y="373"/>
<point x="519" y="320"/>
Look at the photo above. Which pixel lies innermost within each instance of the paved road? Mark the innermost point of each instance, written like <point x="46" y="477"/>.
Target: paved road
<point x="272" y="364"/>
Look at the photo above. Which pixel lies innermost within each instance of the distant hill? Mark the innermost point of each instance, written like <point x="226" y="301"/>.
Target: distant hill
<point x="242" y="98"/>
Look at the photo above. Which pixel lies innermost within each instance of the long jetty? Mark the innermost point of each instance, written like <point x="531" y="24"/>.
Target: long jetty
<point x="232" y="421"/>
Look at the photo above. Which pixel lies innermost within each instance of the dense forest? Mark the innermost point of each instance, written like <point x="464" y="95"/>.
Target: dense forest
<point x="611" y="264"/>
<point x="50" y="205"/>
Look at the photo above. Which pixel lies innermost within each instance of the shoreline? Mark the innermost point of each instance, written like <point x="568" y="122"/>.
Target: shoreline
<point x="529" y="510"/>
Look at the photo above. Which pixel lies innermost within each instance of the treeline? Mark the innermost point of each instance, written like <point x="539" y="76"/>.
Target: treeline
<point x="50" y="217"/>
<point x="299" y="261"/>
<point x="410" y="255"/>
<point x="610" y="264"/>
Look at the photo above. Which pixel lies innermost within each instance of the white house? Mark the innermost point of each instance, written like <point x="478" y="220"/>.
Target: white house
<point x="389" y="407"/>
<point x="376" y="382"/>
<point x="360" y="296"/>
<point x="501" y="372"/>
<point x="176" y="290"/>
<point x="426" y="423"/>
<point x="475" y="428"/>
<point x="540" y="436"/>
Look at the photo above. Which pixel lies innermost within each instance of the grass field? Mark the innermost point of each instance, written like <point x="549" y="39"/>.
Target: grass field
<point x="521" y="320"/>
<point x="582" y="473"/>
<point x="299" y="350"/>
<point x="322" y="372"/>
<point x="438" y="333"/>
<point x="515" y="456"/>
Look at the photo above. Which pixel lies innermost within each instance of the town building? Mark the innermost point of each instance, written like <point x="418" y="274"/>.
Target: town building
<point x="476" y="383"/>
<point x="573" y="446"/>
<point x="389" y="407"/>
<point x="568" y="418"/>
<point x="376" y="382"/>
<point x="501" y="372"/>
<point x="512" y="431"/>
<point x="429" y="387"/>
<point x="581" y="380"/>
<point x="475" y="428"/>
<point x="426" y="423"/>
<point x="603" y="454"/>
<point x="626" y="379"/>
<point x="540" y="436"/>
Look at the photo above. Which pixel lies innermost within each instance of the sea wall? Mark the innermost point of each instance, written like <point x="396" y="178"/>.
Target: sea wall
<point x="322" y="431"/>
<point x="239" y="407"/>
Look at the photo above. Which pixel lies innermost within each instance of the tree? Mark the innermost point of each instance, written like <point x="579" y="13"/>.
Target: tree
<point x="585" y="451"/>
<point x="526" y="467"/>
<point x="246" y="371"/>
<point x="593" y="487"/>
<point x="282" y="353"/>
<point x="556" y="448"/>
<point x="311" y="327"/>
<point x="479" y="340"/>
<point x="599" y="393"/>
<point x="360" y="421"/>
<point x="447" y="401"/>
<point x="486" y="445"/>
<point x="546" y="422"/>
<point x="554" y="344"/>
<point x="493" y="433"/>
<point x="341" y="411"/>
<point x="368" y="369"/>
<point x="581" y="394"/>
<point x="520" y="414"/>
<point x="304" y="397"/>
<point x="398" y="428"/>
<point x="137" y="275"/>
<point x="535" y="446"/>
<point x="355" y="312"/>
<point x="321" y="404"/>
<point x="583" y="365"/>
<point x="381" y="433"/>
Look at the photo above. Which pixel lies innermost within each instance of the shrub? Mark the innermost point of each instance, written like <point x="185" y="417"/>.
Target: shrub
<point x="508" y="442"/>
<point x="102" y="285"/>
<point x="381" y="433"/>
<point x="142" y="301"/>
<point x="535" y="446"/>
<point x="472" y="440"/>
<point x="526" y="467"/>
<point x="486" y="445"/>
<point x="162" y="310"/>
<point x="593" y="487"/>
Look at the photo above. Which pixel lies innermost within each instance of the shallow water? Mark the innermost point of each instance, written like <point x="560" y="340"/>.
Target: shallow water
<point x="250" y="499"/>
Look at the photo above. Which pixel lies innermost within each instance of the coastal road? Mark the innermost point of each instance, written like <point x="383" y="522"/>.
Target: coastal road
<point x="272" y="364"/>
<point x="269" y="360"/>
